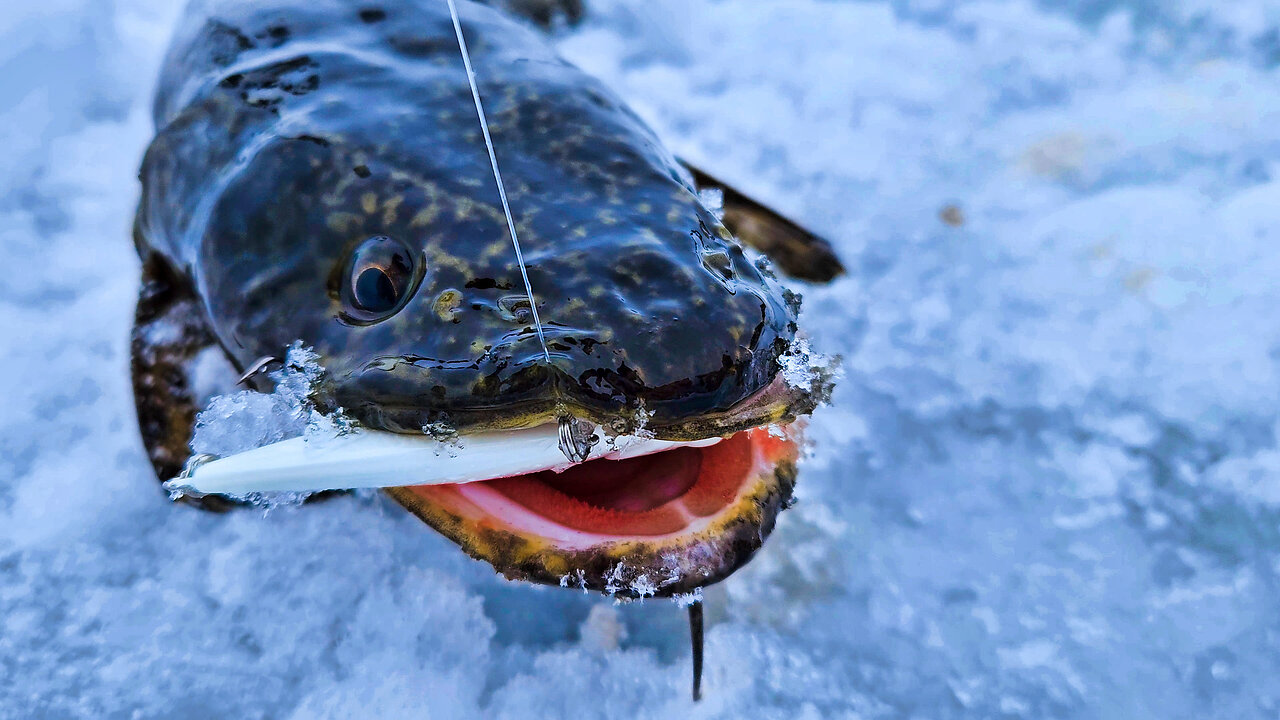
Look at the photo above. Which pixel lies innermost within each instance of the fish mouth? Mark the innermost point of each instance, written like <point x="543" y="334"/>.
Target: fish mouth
<point x="659" y="525"/>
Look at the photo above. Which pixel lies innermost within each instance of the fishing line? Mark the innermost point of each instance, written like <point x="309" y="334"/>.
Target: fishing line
<point x="497" y="176"/>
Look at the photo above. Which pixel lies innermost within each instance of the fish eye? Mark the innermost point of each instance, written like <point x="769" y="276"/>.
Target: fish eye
<point x="380" y="275"/>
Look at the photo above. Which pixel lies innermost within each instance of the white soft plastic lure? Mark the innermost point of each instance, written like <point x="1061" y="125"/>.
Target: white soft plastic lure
<point x="374" y="459"/>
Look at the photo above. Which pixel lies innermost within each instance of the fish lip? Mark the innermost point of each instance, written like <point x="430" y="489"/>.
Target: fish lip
<point x="777" y="402"/>
<point x="501" y="389"/>
<point x="625" y="565"/>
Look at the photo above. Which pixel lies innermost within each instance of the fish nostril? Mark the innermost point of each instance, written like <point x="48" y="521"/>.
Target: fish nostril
<point x="515" y="309"/>
<point x="718" y="262"/>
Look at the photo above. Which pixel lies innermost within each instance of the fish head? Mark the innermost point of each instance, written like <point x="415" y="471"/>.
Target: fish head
<point x="399" y="267"/>
<point x="340" y="191"/>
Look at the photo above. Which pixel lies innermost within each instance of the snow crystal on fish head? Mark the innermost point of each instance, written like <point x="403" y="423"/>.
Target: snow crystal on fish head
<point x="247" y="419"/>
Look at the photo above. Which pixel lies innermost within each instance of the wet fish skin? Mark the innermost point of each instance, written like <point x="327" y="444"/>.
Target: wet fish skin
<point x="289" y="132"/>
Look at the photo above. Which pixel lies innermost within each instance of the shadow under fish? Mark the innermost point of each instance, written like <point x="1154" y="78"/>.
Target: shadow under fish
<point x="318" y="175"/>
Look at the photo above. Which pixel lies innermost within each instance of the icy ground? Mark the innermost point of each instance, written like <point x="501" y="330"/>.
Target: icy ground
<point x="1048" y="487"/>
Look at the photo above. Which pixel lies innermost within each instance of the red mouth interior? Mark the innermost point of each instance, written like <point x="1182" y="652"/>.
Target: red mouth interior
<point x="629" y="486"/>
<point x="661" y="494"/>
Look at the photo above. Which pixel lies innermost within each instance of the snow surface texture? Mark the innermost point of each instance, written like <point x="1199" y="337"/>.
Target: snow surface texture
<point x="1047" y="487"/>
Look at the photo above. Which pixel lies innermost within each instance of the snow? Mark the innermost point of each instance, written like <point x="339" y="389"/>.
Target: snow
<point x="1046" y="488"/>
<point x="244" y="420"/>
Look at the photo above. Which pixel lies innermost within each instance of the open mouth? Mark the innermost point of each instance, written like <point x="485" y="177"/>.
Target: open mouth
<point x="659" y="524"/>
<point x="641" y="517"/>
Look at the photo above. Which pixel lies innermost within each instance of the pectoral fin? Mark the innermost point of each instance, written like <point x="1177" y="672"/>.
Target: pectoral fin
<point x="794" y="250"/>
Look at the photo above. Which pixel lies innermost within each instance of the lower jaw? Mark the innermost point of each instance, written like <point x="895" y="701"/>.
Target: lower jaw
<point x="653" y="538"/>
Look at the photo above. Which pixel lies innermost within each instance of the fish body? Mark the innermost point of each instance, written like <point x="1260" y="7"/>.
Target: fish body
<point x="318" y="175"/>
<point x="290" y="133"/>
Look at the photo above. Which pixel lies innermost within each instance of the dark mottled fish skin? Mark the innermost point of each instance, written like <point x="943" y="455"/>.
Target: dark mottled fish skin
<point x="290" y="131"/>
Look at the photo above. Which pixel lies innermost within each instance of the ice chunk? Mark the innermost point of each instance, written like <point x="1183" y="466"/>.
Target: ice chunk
<point x="643" y="586"/>
<point x="805" y="369"/>
<point x="684" y="600"/>
<point x="713" y="200"/>
<point x="247" y="419"/>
